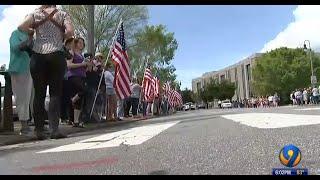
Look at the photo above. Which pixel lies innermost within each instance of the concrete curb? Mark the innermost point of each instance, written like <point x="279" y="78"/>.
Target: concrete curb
<point x="16" y="139"/>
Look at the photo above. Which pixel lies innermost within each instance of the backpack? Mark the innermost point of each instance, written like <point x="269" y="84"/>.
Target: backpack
<point x="47" y="18"/>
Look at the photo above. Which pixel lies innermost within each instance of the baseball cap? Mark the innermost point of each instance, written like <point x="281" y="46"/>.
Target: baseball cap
<point x="98" y="54"/>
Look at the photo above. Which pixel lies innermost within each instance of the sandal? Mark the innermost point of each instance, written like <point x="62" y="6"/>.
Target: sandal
<point x="75" y="125"/>
<point x="81" y="125"/>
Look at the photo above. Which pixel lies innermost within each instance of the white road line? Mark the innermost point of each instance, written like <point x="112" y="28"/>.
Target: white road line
<point x="273" y="120"/>
<point x="308" y="109"/>
<point x="133" y="136"/>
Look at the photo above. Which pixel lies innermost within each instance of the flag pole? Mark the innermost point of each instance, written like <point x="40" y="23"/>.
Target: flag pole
<point x="102" y="73"/>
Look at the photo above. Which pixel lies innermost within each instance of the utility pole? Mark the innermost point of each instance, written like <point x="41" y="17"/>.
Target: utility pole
<point x="313" y="77"/>
<point x="90" y="29"/>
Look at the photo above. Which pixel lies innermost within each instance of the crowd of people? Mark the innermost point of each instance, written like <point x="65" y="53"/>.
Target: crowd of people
<point x="44" y="52"/>
<point x="304" y="96"/>
<point x="262" y="101"/>
<point x="256" y="102"/>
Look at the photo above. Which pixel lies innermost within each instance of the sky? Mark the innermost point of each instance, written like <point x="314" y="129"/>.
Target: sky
<point x="211" y="37"/>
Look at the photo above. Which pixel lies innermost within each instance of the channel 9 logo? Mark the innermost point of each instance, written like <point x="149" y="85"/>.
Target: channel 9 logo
<point x="290" y="156"/>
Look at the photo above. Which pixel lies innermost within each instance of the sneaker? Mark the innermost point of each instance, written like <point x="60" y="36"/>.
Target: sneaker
<point x="57" y="135"/>
<point x="30" y="123"/>
<point x="26" y="132"/>
<point x="81" y="125"/>
<point x="46" y="130"/>
<point x="64" y="121"/>
<point x="41" y="135"/>
<point x="75" y="125"/>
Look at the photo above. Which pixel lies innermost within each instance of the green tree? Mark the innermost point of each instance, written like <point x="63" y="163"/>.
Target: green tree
<point x="106" y="20"/>
<point x="226" y="90"/>
<point x="281" y="71"/>
<point x="187" y="95"/>
<point x="209" y="91"/>
<point x="215" y="90"/>
<point x="156" y="46"/>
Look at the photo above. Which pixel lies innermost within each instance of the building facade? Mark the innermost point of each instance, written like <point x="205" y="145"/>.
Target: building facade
<point x="239" y="73"/>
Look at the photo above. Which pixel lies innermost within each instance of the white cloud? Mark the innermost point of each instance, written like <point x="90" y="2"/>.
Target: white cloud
<point x="12" y="16"/>
<point x="306" y="26"/>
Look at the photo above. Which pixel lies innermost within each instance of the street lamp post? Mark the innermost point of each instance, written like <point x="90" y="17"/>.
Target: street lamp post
<point x="313" y="78"/>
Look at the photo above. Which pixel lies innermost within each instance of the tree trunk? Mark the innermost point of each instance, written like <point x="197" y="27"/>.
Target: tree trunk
<point x="91" y="47"/>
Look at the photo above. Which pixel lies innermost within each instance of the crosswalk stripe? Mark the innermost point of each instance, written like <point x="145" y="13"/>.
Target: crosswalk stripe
<point x="307" y="109"/>
<point x="273" y="120"/>
<point x="133" y="136"/>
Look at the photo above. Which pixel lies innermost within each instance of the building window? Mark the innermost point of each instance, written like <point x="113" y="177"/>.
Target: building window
<point x="222" y="77"/>
<point x="198" y="86"/>
<point x="248" y="68"/>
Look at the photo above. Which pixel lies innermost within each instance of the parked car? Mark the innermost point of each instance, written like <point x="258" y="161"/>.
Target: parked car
<point x="192" y="106"/>
<point x="14" y="109"/>
<point x="201" y="106"/>
<point x="186" y="107"/>
<point x="226" y="104"/>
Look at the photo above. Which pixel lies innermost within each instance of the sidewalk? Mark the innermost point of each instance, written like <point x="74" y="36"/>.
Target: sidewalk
<point x="9" y="138"/>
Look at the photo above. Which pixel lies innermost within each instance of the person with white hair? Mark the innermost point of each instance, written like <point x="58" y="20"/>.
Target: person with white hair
<point x="21" y="80"/>
<point x="93" y="76"/>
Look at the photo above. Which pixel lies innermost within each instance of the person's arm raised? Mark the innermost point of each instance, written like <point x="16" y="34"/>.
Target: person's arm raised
<point x="69" y="29"/>
<point x="72" y="65"/>
<point x="26" y="25"/>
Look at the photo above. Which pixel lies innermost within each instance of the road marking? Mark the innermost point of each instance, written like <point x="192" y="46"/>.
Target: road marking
<point x="62" y="167"/>
<point x="273" y="120"/>
<point x="307" y="109"/>
<point x="133" y="136"/>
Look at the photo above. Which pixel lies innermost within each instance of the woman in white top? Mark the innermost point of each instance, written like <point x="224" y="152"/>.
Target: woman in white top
<point x="135" y="96"/>
<point x="111" y="99"/>
<point x="305" y="96"/>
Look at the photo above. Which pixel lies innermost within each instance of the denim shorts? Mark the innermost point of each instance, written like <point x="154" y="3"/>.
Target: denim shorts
<point x="110" y="91"/>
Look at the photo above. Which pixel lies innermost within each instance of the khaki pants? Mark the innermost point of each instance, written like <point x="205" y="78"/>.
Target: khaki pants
<point x="111" y="107"/>
<point x="22" y="89"/>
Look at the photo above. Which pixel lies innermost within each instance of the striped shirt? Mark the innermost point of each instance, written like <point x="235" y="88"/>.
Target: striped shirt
<point x="48" y="37"/>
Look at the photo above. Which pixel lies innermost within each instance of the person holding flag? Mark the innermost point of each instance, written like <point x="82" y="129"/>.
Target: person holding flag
<point x="148" y="89"/>
<point x="156" y="91"/>
<point x="111" y="97"/>
<point x="165" y="104"/>
<point x="120" y="60"/>
<point x="134" y="99"/>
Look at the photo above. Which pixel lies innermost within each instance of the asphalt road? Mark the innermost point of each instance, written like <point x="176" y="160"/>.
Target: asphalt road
<point x="194" y="142"/>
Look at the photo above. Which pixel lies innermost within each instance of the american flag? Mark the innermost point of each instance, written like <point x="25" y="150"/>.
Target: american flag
<point x="148" y="85"/>
<point x="122" y="69"/>
<point x="166" y="87"/>
<point x="174" y="98"/>
<point x="156" y="84"/>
